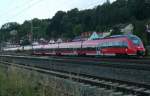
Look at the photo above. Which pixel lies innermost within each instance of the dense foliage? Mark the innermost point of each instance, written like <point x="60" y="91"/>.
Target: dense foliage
<point x="72" y="23"/>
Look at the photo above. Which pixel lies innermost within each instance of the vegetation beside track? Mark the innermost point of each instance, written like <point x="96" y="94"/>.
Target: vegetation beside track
<point x="21" y="82"/>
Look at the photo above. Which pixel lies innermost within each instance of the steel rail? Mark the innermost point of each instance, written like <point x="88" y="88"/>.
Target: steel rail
<point x="119" y="64"/>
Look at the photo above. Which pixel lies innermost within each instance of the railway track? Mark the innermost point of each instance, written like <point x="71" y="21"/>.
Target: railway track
<point x="142" y="64"/>
<point x="135" y="89"/>
<point x="116" y="70"/>
<point x="107" y="59"/>
<point x="115" y="59"/>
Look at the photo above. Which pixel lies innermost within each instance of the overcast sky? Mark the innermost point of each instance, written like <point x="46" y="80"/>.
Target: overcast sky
<point x="21" y="10"/>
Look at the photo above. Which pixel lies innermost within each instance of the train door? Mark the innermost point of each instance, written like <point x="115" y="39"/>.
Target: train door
<point x="98" y="50"/>
<point x="74" y="51"/>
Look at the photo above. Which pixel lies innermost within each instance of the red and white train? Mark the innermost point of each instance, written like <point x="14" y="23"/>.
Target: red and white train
<point x="113" y="45"/>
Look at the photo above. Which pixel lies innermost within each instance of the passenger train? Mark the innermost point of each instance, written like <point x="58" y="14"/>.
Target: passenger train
<point x="113" y="45"/>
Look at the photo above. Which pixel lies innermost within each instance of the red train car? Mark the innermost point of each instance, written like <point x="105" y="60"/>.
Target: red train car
<point x="113" y="45"/>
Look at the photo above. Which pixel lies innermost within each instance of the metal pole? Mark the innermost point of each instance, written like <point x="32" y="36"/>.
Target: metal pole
<point x="31" y="32"/>
<point x="148" y="33"/>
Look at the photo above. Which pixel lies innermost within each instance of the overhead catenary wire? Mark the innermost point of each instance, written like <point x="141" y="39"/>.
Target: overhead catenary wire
<point x="11" y="9"/>
<point x="29" y="6"/>
<point x="94" y="4"/>
<point x="20" y="12"/>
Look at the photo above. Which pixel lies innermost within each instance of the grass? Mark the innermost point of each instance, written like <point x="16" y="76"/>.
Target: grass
<point x="21" y="82"/>
<point x="14" y="83"/>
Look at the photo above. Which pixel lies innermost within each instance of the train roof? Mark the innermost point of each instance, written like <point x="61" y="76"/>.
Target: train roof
<point x="116" y="36"/>
<point x="120" y="36"/>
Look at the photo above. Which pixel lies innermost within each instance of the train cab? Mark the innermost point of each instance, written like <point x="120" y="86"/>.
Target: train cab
<point x="137" y="45"/>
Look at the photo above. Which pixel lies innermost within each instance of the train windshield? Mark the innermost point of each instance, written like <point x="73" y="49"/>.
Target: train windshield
<point x="135" y="40"/>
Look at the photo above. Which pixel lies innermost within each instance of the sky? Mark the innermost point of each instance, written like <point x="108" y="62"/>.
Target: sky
<point x="21" y="10"/>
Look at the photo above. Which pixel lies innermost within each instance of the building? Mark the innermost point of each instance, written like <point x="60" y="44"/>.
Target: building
<point x="128" y="29"/>
<point x="97" y="35"/>
<point x="91" y="36"/>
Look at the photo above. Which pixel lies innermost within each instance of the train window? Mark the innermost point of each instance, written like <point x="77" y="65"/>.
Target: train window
<point x="124" y="44"/>
<point x="115" y="43"/>
<point x="108" y="44"/>
<point x="101" y="45"/>
<point x="120" y="44"/>
<point x="104" y="44"/>
<point x="135" y="40"/>
<point x="111" y="44"/>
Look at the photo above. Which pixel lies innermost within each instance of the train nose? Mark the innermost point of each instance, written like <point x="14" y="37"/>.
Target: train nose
<point x="140" y="48"/>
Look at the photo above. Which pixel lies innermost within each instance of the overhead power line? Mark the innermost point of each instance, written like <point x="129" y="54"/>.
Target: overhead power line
<point x="11" y="9"/>
<point x="30" y="5"/>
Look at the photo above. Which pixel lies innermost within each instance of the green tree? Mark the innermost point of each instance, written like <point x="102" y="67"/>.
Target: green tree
<point x="77" y="29"/>
<point x="139" y="30"/>
<point x="6" y="30"/>
<point x="56" y="25"/>
<point x="116" y="31"/>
